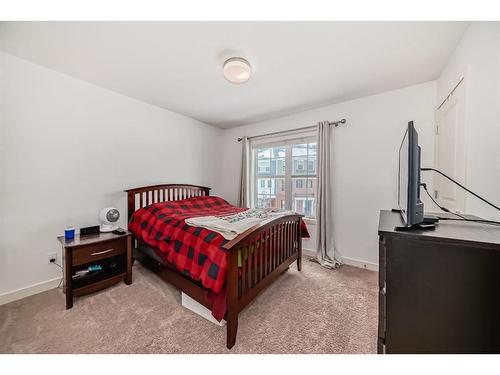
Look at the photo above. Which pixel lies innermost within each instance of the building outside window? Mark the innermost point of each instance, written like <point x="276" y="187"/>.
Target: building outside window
<point x="285" y="175"/>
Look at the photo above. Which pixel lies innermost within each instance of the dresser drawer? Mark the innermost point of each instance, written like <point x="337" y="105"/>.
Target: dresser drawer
<point x="93" y="252"/>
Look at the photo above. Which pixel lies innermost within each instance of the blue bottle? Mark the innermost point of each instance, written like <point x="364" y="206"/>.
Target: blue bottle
<point x="69" y="233"/>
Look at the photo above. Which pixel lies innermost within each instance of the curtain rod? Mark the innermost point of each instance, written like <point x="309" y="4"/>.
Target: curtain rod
<point x="336" y="123"/>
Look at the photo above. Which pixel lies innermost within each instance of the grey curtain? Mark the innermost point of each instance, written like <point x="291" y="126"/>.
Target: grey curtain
<point x="324" y="203"/>
<point x="244" y="192"/>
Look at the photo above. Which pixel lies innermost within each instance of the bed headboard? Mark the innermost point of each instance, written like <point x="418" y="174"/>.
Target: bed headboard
<point x="146" y="195"/>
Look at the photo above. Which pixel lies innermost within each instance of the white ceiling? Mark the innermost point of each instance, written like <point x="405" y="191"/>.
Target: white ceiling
<point x="296" y="65"/>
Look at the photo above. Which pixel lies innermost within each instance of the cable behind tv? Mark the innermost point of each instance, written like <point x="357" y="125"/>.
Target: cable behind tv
<point x="462" y="218"/>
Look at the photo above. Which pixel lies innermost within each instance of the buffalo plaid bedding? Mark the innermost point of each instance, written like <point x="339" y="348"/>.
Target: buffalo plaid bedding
<point x="196" y="252"/>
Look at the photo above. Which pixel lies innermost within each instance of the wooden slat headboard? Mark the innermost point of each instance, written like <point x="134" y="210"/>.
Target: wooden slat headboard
<point x="146" y="195"/>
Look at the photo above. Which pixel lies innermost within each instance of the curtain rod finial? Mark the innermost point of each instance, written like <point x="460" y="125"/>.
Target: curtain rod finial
<point x="240" y="139"/>
<point x="337" y="123"/>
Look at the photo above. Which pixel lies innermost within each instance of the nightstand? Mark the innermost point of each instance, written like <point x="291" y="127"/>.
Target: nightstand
<point x="110" y="252"/>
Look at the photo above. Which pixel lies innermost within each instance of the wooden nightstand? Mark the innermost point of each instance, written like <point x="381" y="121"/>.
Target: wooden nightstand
<point x="110" y="251"/>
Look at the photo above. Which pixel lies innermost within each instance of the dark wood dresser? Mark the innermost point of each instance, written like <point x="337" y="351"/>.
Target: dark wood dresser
<point x="439" y="290"/>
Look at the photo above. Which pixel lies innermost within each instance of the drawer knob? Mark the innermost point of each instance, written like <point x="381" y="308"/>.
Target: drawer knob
<point x="102" y="252"/>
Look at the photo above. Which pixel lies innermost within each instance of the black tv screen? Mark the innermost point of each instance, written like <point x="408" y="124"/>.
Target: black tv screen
<point x="410" y="205"/>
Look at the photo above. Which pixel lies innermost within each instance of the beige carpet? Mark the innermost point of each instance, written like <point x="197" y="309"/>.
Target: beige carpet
<point x="313" y="311"/>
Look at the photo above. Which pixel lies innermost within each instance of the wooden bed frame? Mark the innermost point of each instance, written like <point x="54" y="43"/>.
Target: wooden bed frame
<point x="275" y="245"/>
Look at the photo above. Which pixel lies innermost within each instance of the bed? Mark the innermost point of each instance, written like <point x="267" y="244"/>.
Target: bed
<point x="251" y="261"/>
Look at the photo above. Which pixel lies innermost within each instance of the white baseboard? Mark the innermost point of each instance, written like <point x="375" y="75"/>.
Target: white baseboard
<point x="308" y="252"/>
<point x="349" y="261"/>
<point x="29" y="290"/>
<point x="360" y="263"/>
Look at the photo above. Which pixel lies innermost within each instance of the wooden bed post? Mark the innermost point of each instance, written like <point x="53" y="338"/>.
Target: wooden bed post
<point x="232" y="298"/>
<point x="130" y="205"/>
<point x="299" y="244"/>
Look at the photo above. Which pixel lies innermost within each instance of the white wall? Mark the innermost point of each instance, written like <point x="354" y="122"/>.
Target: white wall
<point x="68" y="148"/>
<point x="477" y="58"/>
<point x="365" y="159"/>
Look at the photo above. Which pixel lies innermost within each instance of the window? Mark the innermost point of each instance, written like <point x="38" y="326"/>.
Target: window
<point x="270" y="163"/>
<point x="264" y="167"/>
<point x="304" y="205"/>
<point x="298" y="166"/>
<point x="299" y="183"/>
<point x="311" y="166"/>
<point x="285" y="175"/>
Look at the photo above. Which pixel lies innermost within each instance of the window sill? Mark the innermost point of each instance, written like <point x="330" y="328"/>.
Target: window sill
<point x="309" y="220"/>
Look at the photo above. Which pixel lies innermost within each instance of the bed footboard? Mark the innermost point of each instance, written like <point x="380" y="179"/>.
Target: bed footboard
<point x="255" y="259"/>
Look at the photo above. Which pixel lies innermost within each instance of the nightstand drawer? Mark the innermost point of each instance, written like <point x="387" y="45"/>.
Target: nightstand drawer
<point x="90" y="253"/>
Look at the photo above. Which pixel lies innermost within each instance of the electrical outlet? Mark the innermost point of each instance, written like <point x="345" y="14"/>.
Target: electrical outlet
<point x="52" y="257"/>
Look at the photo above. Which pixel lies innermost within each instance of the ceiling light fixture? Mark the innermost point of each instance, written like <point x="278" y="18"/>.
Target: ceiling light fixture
<point x="237" y="70"/>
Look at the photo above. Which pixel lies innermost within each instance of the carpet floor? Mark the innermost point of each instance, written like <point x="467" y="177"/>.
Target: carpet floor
<point x="313" y="311"/>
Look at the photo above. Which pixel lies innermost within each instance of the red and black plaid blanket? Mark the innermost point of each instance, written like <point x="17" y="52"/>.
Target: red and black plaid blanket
<point x="197" y="252"/>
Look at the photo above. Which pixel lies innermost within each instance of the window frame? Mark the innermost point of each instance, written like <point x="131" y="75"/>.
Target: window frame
<point x="287" y="143"/>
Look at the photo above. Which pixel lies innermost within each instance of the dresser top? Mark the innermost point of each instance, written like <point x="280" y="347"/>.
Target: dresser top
<point x="91" y="239"/>
<point x="446" y="230"/>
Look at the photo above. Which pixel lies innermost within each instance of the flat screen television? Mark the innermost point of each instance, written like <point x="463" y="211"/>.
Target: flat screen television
<point x="410" y="205"/>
